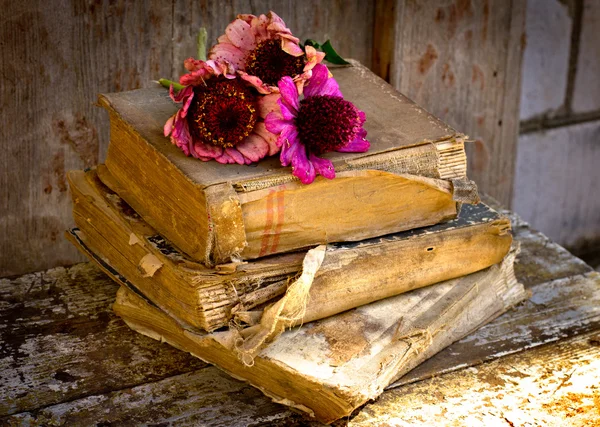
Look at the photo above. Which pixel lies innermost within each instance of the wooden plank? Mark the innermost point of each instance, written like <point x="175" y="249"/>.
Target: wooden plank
<point x="54" y="60"/>
<point x="461" y="60"/>
<point x="557" y="182"/>
<point x="348" y="24"/>
<point x="209" y="398"/>
<point x="60" y="341"/>
<point x="541" y="259"/>
<point x="554" y="385"/>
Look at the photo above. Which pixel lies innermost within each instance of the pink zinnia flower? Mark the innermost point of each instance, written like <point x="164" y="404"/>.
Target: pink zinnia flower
<point x="263" y="50"/>
<point x="221" y="117"/>
<point x="321" y="122"/>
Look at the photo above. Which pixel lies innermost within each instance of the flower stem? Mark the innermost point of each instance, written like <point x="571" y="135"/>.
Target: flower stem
<point x="202" y="36"/>
<point x="167" y="83"/>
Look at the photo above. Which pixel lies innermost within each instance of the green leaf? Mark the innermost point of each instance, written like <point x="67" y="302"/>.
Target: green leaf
<point x="311" y="42"/>
<point x="167" y="83"/>
<point x="331" y="55"/>
<point x="202" y="37"/>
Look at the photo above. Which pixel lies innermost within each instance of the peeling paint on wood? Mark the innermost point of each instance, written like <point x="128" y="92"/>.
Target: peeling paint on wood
<point x="208" y="397"/>
<point x="59" y="340"/>
<point x="555" y="385"/>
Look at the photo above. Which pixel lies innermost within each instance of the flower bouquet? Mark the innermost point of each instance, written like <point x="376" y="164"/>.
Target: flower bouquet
<point x="262" y="93"/>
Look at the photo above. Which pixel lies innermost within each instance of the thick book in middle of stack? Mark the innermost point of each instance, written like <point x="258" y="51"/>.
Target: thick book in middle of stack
<point x="350" y="274"/>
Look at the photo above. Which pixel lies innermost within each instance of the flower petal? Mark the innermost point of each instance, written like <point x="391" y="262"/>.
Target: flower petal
<point x="246" y="17"/>
<point x="322" y="166"/>
<point x="186" y="105"/>
<point x="241" y="35"/>
<point x="287" y="34"/>
<point x="285" y="111"/>
<point x="291" y="47"/>
<point x="223" y="39"/>
<point x="206" y="150"/>
<point x="275" y="123"/>
<point x="357" y="145"/>
<point x="320" y="74"/>
<point x="302" y="167"/>
<point x="273" y="17"/>
<point x="271" y="138"/>
<point x="256" y="82"/>
<point x="254" y="147"/>
<point x="227" y="52"/>
<point x="192" y="64"/>
<point x="223" y="68"/>
<point x="259" y="27"/>
<point x="180" y="136"/>
<point x="289" y="93"/>
<point x="362" y="117"/>
<point x="168" y="127"/>
<point x="321" y="84"/>
<point x="312" y="57"/>
<point x="268" y="104"/>
<point x="181" y="95"/>
<point x="289" y="143"/>
<point x="236" y="155"/>
<point x="224" y="158"/>
<point x="331" y="88"/>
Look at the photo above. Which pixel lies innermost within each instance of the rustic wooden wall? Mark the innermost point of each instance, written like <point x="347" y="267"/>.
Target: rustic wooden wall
<point x="55" y="56"/>
<point x="461" y="60"/>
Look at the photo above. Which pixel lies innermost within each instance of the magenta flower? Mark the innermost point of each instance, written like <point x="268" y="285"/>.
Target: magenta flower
<point x="263" y="50"/>
<point x="321" y="122"/>
<point x="221" y="117"/>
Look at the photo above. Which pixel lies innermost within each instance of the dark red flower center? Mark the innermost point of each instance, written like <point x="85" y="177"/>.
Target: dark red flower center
<point x="326" y="123"/>
<point x="270" y="63"/>
<point x="223" y="112"/>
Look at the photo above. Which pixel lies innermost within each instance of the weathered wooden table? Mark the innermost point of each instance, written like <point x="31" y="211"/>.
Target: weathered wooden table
<point x="66" y="359"/>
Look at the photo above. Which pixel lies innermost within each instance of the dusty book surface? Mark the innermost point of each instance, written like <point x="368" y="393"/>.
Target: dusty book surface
<point x="345" y="275"/>
<point x="214" y="212"/>
<point x="329" y="367"/>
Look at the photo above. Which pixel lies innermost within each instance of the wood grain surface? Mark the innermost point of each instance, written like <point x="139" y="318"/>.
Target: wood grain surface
<point x="55" y="57"/>
<point x="461" y="60"/>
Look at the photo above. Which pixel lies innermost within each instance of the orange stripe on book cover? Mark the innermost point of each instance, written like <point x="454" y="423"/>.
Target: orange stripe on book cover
<point x="273" y="223"/>
<point x="268" y="225"/>
<point x="279" y="223"/>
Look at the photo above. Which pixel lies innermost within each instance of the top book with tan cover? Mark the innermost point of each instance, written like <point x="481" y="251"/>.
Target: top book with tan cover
<point x="413" y="176"/>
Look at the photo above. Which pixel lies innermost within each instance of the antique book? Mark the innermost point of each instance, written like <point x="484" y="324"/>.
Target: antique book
<point x="330" y="367"/>
<point x="413" y="176"/>
<point x="330" y="278"/>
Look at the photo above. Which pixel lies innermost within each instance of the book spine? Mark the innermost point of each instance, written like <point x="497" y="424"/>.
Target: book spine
<point x="452" y="159"/>
<point x="176" y="206"/>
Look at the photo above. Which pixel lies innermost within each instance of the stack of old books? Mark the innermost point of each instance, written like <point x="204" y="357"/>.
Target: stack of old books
<point x="320" y="295"/>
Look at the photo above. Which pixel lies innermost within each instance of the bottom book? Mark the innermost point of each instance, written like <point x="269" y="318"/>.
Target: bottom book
<point x="330" y="367"/>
